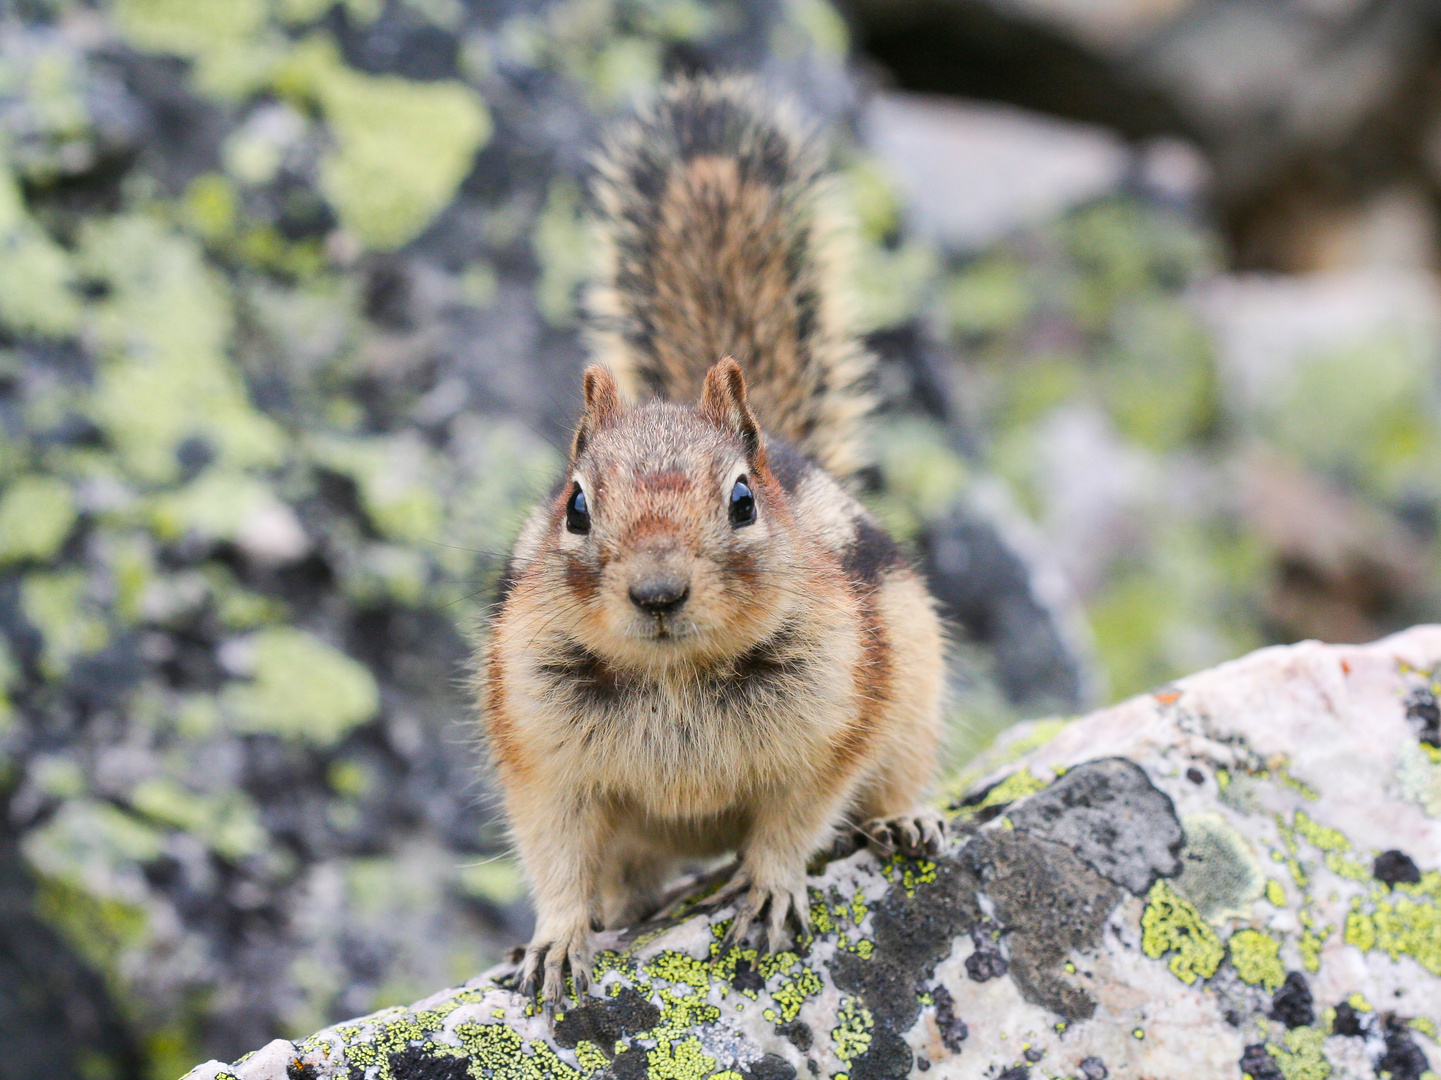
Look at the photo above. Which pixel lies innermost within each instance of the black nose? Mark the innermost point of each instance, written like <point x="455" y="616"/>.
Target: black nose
<point x="660" y="596"/>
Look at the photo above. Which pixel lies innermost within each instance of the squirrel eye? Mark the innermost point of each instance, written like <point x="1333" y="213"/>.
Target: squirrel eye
<point x="577" y="514"/>
<point x="743" y="504"/>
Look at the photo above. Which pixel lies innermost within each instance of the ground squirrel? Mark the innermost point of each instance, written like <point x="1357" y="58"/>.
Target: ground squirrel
<point x="704" y="644"/>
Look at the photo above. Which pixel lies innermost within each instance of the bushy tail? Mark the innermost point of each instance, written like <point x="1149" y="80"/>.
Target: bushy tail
<point x="716" y="243"/>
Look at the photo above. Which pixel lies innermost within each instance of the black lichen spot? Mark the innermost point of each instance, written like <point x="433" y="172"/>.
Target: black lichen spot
<point x="1116" y="821"/>
<point x="1403" y="1059"/>
<point x="296" y="1069"/>
<point x="1195" y="775"/>
<point x="1050" y="904"/>
<point x="923" y="1063"/>
<point x="1093" y="1068"/>
<point x="1423" y="711"/>
<point x="912" y="934"/>
<point x="987" y="962"/>
<point x="797" y="1032"/>
<point x="415" y="1063"/>
<point x="1292" y="1004"/>
<point x="1016" y="1072"/>
<point x="1033" y="1055"/>
<point x="953" y="1029"/>
<point x="1348" y="1021"/>
<point x="747" y="977"/>
<point x="1258" y="1064"/>
<point x="605" y="1021"/>
<point x="1396" y="868"/>
<point x="770" y="1067"/>
<point x="631" y="1064"/>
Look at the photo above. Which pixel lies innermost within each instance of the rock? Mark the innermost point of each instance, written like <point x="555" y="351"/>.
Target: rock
<point x="1307" y="112"/>
<point x="971" y="172"/>
<point x="1267" y="328"/>
<point x="1067" y="864"/>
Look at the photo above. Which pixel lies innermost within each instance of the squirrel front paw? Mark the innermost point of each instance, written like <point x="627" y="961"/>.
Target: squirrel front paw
<point x="781" y="902"/>
<point x="915" y="833"/>
<point x="546" y="959"/>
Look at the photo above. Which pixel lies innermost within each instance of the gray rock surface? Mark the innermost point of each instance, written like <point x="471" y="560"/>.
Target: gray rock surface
<point x="1238" y="873"/>
<point x="973" y="173"/>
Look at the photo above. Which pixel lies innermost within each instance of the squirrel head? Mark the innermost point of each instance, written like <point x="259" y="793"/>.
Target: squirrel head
<point x="673" y="543"/>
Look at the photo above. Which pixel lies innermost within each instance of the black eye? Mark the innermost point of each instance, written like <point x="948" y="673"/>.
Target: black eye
<point x="577" y="514"/>
<point x="743" y="504"/>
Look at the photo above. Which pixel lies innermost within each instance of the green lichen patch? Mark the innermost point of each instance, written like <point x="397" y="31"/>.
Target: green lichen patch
<point x="36" y="514"/>
<point x="1172" y="925"/>
<point x="36" y="275"/>
<point x="1398" y="927"/>
<point x="852" y="1033"/>
<point x="57" y="605"/>
<point x="1018" y="785"/>
<point x="302" y="688"/>
<point x="401" y="147"/>
<point x="163" y="328"/>
<point x="1303" y="1055"/>
<point x="1220" y="874"/>
<point x="1256" y="956"/>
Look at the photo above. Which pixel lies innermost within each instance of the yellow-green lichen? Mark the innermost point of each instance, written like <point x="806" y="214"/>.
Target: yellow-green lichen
<point x="57" y="606"/>
<point x="302" y="688"/>
<point x="1303" y="1055"/>
<point x="1275" y="893"/>
<point x="401" y="147"/>
<point x="498" y="1052"/>
<point x="163" y="330"/>
<point x="1256" y="957"/>
<point x="1399" y="927"/>
<point x="1170" y="924"/>
<point x="1319" y="836"/>
<point x="852" y="1033"/>
<point x="35" y="272"/>
<point x="36" y="514"/>
<point x="1019" y="784"/>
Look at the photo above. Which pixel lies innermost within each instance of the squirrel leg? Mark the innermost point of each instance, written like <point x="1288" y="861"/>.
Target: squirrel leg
<point x="771" y="877"/>
<point x="561" y="847"/>
<point x="633" y="884"/>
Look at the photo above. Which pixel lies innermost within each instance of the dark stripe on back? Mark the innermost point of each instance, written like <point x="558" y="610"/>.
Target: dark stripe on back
<point x="870" y="553"/>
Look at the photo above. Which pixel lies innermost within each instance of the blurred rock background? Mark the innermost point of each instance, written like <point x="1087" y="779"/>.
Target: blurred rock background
<point x="288" y="342"/>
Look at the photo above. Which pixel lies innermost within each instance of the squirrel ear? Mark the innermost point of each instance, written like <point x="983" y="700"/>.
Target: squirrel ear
<point x="602" y="403"/>
<point x="723" y="401"/>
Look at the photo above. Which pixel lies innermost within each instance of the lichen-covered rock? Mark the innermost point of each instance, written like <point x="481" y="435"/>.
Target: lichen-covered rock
<point x="288" y="343"/>
<point x="1237" y="874"/>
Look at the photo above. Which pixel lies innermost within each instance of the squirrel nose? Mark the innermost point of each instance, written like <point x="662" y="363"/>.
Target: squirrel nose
<point x="659" y="596"/>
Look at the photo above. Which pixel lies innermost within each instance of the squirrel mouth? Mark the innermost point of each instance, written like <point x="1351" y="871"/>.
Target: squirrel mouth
<point x="664" y="630"/>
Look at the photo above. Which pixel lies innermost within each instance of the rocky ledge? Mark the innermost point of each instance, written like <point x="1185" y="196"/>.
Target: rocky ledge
<point x="1236" y="874"/>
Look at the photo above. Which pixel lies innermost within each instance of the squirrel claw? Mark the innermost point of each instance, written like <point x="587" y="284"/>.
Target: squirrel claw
<point x="779" y="905"/>
<point x="545" y="964"/>
<point x="914" y="834"/>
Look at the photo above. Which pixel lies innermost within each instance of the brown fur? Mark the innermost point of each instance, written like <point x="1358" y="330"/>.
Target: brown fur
<point x="793" y="688"/>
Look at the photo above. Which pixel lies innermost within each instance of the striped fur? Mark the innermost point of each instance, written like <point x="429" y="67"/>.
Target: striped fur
<point x="718" y="241"/>
<point x="795" y="689"/>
